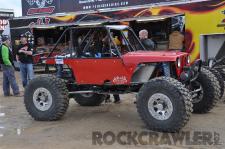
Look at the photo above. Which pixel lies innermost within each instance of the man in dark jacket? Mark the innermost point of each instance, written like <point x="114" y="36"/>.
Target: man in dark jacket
<point x="145" y="40"/>
<point x="6" y="60"/>
<point x="24" y="56"/>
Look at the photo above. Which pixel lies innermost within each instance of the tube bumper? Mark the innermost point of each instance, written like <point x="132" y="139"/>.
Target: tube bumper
<point x="190" y="73"/>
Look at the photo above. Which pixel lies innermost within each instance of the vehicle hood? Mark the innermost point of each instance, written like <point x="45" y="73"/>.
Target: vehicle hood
<point x="152" y="56"/>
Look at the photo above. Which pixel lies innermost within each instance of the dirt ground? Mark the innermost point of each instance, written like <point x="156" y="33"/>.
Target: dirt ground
<point x="19" y="131"/>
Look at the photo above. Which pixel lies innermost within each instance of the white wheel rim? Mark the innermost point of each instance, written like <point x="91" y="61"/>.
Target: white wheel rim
<point x="160" y="106"/>
<point x="42" y="99"/>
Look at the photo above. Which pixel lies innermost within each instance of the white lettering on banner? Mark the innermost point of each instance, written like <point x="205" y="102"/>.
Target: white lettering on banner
<point x="89" y="4"/>
<point x="3" y="24"/>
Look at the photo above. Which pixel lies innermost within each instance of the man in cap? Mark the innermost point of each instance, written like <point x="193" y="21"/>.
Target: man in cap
<point x="24" y="56"/>
<point x="6" y="60"/>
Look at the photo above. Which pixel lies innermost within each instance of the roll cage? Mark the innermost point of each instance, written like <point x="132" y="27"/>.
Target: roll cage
<point x="80" y="48"/>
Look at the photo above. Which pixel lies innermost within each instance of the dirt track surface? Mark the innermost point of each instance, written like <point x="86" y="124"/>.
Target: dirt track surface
<point x="19" y="131"/>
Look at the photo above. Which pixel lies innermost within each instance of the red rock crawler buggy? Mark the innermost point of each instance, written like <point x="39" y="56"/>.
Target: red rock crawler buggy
<point x="96" y="69"/>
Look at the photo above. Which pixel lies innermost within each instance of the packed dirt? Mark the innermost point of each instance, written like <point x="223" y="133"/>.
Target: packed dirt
<point x="75" y="130"/>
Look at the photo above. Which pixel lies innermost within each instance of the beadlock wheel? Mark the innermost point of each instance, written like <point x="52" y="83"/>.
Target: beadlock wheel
<point x="160" y="106"/>
<point x="42" y="99"/>
<point x="46" y="98"/>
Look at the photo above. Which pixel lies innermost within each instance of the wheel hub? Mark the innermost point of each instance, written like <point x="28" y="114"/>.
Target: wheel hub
<point x="197" y="94"/>
<point x="160" y="106"/>
<point x="42" y="99"/>
<point x="87" y="95"/>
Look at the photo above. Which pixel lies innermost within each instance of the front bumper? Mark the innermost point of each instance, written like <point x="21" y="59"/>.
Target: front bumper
<point x="190" y="73"/>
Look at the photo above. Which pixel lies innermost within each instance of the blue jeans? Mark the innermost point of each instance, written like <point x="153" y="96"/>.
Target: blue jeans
<point x="9" y="79"/>
<point x="59" y="68"/>
<point x="166" y="69"/>
<point x="26" y="73"/>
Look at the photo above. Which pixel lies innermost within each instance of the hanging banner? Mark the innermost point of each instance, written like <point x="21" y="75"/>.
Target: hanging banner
<point x="81" y="5"/>
<point x="38" y="7"/>
<point x="4" y="17"/>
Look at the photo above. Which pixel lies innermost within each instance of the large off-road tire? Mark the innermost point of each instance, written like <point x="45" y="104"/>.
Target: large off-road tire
<point x="89" y="99"/>
<point x="46" y="98"/>
<point x="220" y="79"/>
<point x="221" y="70"/>
<point x="210" y="93"/>
<point x="164" y="95"/>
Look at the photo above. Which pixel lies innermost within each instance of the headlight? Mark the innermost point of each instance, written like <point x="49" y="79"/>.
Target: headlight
<point x="188" y="59"/>
<point x="178" y="62"/>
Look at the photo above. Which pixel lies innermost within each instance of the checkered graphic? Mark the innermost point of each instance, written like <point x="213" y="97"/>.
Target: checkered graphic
<point x="39" y="3"/>
<point x="31" y="2"/>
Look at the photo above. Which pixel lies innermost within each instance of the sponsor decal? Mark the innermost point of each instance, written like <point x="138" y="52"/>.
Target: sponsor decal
<point x="222" y="23"/>
<point x="59" y="60"/>
<point x="40" y="7"/>
<point x="39" y="3"/>
<point x="119" y="80"/>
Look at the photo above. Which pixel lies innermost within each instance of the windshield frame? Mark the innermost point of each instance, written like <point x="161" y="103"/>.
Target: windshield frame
<point x="130" y="46"/>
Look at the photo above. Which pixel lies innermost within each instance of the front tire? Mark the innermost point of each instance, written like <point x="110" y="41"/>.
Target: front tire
<point x="164" y="104"/>
<point x="46" y="98"/>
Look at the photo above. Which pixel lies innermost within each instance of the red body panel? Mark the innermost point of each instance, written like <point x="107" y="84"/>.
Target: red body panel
<point x="134" y="58"/>
<point x="152" y="56"/>
<point x="115" y="70"/>
<point x="97" y="71"/>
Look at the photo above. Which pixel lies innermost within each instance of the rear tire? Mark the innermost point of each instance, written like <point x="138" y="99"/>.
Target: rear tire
<point x="220" y="79"/>
<point x="89" y="99"/>
<point x="210" y="94"/>
<point x="176" y="100"/>
<point x="221" y="70"/>
<point x="46" y="98"/>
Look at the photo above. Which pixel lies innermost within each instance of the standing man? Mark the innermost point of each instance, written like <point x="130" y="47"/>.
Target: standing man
<point x="6" y="60"/>
<point x="24" y="56"/>
<point x="145" y="40"/>
<point x="150" y="45"/>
